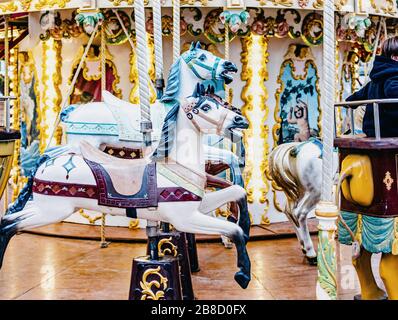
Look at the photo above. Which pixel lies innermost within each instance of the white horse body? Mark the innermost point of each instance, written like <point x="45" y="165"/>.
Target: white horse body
<point x="185" y="149"/>
<point x="296" y="167"/>
<point x="300" y="177"/>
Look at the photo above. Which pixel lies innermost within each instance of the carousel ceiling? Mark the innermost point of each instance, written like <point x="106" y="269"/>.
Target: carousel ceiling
<point x="377" y="7"/>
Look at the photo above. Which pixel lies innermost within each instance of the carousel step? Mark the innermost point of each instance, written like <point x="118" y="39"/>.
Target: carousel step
<point x="124" y="234"/>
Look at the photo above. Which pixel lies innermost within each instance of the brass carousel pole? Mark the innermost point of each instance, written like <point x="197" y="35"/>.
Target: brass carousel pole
<point x="6" y="93"/>
<point x="104" y="244"/>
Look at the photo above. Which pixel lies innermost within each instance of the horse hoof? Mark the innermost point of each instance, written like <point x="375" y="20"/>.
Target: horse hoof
<point x="242" y="279"/>
<point x="313" y="261"/>
<point x="195" y="270"/>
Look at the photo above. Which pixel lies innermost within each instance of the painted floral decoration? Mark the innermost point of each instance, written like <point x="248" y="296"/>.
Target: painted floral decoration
<point x="234" y="19"/>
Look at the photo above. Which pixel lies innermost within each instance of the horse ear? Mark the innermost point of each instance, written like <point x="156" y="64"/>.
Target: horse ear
<point x="202" y="90"/>
<point x="196" y="92"/>
<point x="212" y="90"/>
<point x="192" y="47"/>
<point x="198" y="46"/>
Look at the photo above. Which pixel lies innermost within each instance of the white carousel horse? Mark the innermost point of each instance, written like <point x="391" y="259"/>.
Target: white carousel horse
<point x="69" y="181"/>
<point x="296" y="167"/>
<point x="116" y="123"/>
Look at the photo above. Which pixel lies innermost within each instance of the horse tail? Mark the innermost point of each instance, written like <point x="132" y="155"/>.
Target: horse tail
<point x="26" y="191"/>
<point x="9" y="226"/>
<point x="281" y="172"/>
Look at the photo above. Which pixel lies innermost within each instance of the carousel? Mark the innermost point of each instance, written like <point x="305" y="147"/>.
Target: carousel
<point x="165" y="132"/>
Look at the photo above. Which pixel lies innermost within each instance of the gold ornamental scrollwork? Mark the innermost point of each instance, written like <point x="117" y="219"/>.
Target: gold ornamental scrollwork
<point x="9" y="6"/>
<point x="46" y="4"/>
<point x="255" y="174"/>
<point x="285" y="3"/>
<point x="339" y="4"/>
<point x="318" y="4"/>
<point x="387" y="6"/>
<point x="147" y="287"/>
<point x="192" y="2"/>
<point x="128" y="2"/>
<point x="166" y="247"/>
<point x="90" y="219"/>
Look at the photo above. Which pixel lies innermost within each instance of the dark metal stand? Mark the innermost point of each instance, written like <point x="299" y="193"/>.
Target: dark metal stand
<point x="193" y="252"/>
<point x="155" y="279"/>
<point x="156" y="276"/>
<point x="174" y="244"/>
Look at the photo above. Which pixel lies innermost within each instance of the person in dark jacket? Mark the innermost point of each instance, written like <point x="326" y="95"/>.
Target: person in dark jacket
<point x="383" y="84"/>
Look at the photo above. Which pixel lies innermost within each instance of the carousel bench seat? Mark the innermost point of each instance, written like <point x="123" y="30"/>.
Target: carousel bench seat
<point x="366" y="143"/>
<point x="383" y="155"/>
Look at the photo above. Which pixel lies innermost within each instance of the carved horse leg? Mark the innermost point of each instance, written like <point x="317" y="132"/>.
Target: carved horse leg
<point x="217" y="182"/>
<point x="305" y="206"/>
<point x="389" y="275"/>
<point x="197" y="222"/>
<point x="369" y="288"/>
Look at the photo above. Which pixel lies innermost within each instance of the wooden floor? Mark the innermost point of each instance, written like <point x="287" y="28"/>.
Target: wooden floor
<point x="39" y="267"/>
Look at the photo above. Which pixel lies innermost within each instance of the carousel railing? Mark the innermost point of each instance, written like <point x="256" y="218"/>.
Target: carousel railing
<point x="351" y="105"/>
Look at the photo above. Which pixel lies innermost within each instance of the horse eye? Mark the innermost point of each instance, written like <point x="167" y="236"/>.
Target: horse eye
<point x="202" y="57"/>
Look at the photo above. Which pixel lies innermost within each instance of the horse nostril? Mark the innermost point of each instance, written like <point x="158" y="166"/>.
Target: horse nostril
<point x="238" y="119"/>
<point x="229" y="65"/>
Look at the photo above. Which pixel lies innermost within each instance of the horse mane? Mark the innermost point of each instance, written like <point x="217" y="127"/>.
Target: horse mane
<point x="168" y="133"/>
<point x="283" y="176"/>
<point x="173" y="83"/>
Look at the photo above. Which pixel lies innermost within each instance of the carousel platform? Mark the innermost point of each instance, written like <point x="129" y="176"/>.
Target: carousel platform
<point x="124" y="234"/>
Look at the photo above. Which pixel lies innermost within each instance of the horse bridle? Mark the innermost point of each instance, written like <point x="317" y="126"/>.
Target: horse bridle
<point x="193" y="107"/>
<point x="224" y="103"/>
<point x="192" y="62"/>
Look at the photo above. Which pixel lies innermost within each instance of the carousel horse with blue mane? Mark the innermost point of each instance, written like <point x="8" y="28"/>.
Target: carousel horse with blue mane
<point x="116" y="123"/>
<point x="166" y="185"/>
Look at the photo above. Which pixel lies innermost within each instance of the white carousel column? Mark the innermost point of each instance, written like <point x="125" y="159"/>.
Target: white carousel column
<point x="326" y="286"/>
<point x="143" y="83"/>
<point x="157" y="37"/>
<point x="176" y="30"/>
<point x="326" y="211"/>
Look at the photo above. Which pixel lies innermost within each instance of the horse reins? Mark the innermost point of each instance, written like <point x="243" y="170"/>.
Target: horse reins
<point x="191" y="64"/>
<point x="190" y="108"/>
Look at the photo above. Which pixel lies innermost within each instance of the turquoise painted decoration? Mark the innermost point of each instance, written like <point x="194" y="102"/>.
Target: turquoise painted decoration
<point x="88" y="20"/>
<point x="376" y="234"/>
<point x="234" y="19"/>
